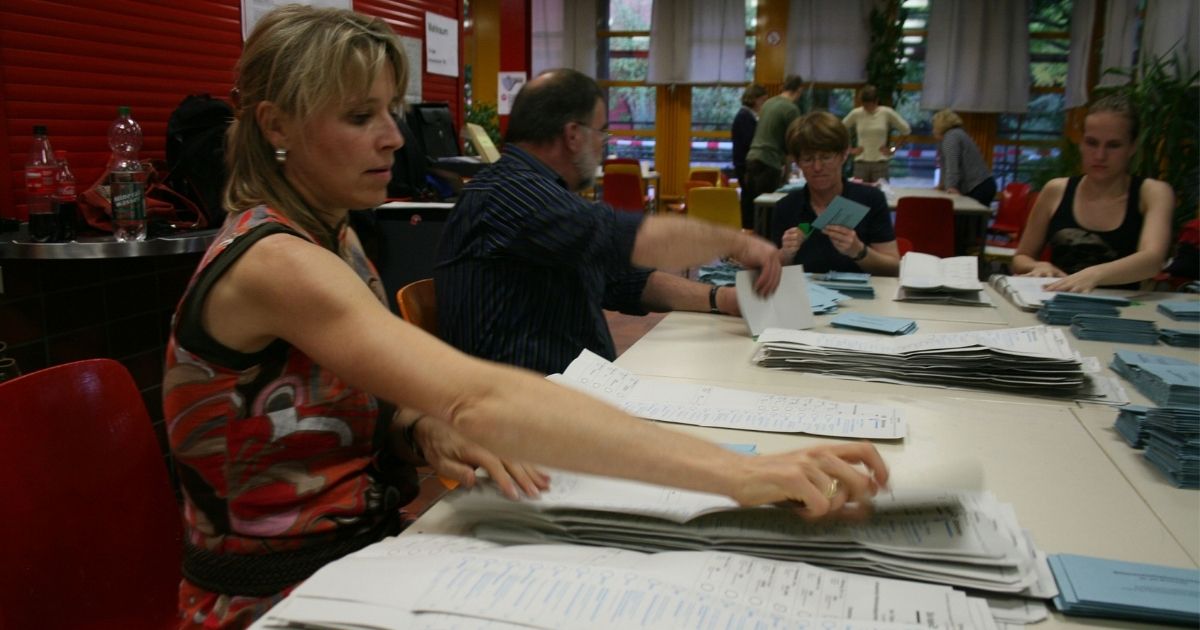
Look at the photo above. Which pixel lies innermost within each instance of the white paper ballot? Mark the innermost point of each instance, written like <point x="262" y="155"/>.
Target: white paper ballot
<point x="787" y="308"/>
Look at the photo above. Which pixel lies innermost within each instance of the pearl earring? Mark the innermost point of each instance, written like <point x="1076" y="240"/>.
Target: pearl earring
<point x="281" y="155"/>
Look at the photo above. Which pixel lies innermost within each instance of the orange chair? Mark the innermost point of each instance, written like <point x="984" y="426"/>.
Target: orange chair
<point x="623" y="191"/>
<point x="91" y="534"/>
<point x="418" y="305"/>
<point x="1010" y="217"/>
<point x="715" y="205"/>
<point x="710" y="174"/>
<point x="928" y="223"/>
<point x="631" y="169"/>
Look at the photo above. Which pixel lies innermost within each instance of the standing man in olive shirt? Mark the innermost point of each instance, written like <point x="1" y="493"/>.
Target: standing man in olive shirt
<point x="768" y="153"/>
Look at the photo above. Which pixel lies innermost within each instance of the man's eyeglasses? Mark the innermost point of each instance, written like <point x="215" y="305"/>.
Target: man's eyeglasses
<point x="825" y="159"/>
<point x="603" y="131"/>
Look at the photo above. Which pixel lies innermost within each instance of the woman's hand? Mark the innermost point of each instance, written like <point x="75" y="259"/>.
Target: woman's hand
<point x="844" y="239"/>
<point x="453" y="456"/>
<point x="832" y="480"/>
<point x="1083" y="281"/>
<point x="793" y="238"/>
<point x="1043" y="269"/>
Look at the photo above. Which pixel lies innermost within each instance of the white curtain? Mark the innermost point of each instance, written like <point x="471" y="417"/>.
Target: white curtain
<point x="1171" y="27"/>
<point x="977" y="59"/>
<point x="1083" y="16"/>
<point x="828" y="40"/>
<point x="563" y="35"/>
<point x="1120" y="40"/>
<point x="698" y="41"/>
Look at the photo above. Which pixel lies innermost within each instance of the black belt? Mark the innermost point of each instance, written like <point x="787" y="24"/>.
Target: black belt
<point x="262" y="575"/>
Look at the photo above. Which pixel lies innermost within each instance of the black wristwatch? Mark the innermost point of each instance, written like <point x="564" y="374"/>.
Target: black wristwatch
<point x="863" y="254"/>
<point x="712" y="300"/>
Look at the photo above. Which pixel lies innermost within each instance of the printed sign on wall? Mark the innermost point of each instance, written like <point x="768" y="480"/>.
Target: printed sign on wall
<point x="441" y="45"/>
<point x="509" y="84"/>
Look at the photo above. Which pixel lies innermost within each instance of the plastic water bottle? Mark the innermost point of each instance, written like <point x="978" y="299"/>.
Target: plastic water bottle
<point x="126" y="179"/>
<point x="39" y="185"/>
<point x="66" y="208"/>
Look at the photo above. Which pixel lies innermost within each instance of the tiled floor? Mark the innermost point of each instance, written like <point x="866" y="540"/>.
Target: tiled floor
<point x="626" y="329"/>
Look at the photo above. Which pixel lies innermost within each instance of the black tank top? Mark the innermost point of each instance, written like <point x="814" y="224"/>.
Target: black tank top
<point x="1073" y="248"/>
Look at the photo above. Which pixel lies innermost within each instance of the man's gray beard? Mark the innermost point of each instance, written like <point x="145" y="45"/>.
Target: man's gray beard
<point x="585" y="168"/>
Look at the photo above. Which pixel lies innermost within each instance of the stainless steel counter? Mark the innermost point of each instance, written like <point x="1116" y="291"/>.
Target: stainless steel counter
<point x="17" y="245"/>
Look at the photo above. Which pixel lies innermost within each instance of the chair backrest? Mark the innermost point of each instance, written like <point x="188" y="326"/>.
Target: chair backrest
<point x="91" y="534"/>
<point x="715" y="205"/>
<point x="904" y="245"/>
<point x="623" y="192"/>
<point x="632" y="169"/>
<point x="928" y="223"/>
<point x="710" y="174"/>
<point x="1014" y="207"/>
<point x="620" y="160"/>
<point x="418" y="305"/>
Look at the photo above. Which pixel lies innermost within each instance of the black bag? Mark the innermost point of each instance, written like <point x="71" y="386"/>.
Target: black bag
<point x="196" y="152"/>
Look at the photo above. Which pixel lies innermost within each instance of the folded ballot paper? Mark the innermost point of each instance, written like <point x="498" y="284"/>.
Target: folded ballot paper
<point x="1114" y="329"/>
<point x="788" y="307"/>
<point x="1168" y="381"/>
<point x="428" y="581"/>
<point x="1035" y="360"/>
<point x="926" y="278"/>
<point x="1170" y="437"/>
<point x="1182" y="310"/>
<point x="1096" y="587"/>
<point x="965" y="539"/>
<point x="857" y="285"/>
<point x="710" y="406"/>
<point x="875" y="323"/>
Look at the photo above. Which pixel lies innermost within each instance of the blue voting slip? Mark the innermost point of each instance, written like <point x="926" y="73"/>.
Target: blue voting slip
<point x="848" y="276"/>
<point x="1091" y="298"/>
<point x="1096" y="587"/>
<point x="1059" y="310"/>
<point x="875" y="323"/>
<point x="1114" y="329"/>
<point x="1168" y="381"/>
<point x="841" y="211"/>
<point x="824" y="300"/>
<point x="748" y="449"/>
<point x="1185" y="310"/>
<point x="1130" y="424"/>
<point x="1180" y="338"/>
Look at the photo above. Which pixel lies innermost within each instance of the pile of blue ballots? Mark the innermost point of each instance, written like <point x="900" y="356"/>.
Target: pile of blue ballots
<point x="1180" y="338"/>
<point x="1168" y="381"/>
<point x="1096" y="587"/>
<point x="1181" y="310"/>
<point x="823" y="300"/>
<point x="1115" y="329"/>
<point x="875" y="323"/>
<point x="1059" y="310"/>
<point x="1171" y="437"/>
<point x="851" y="283"/>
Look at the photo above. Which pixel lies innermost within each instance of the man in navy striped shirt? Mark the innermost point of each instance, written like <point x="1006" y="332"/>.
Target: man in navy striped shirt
<point x="526" y="266"/>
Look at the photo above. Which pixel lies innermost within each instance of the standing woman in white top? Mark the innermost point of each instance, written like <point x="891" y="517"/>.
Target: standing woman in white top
<point x="873" y="124"/>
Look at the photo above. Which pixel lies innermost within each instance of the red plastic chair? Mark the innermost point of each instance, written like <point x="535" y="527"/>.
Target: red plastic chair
<point x="623" y="191"/>
<point x="418" y="305"/>
<point x="904" y="245"/>
<point x="928" y="223"/>
<point x="1010" y="217"/>
<point x="91" y="534"/>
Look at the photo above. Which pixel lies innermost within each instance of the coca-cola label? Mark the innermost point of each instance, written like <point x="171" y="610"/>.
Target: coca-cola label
<point x="39" y="180"/>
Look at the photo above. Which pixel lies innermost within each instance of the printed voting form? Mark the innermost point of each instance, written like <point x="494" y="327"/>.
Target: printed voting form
<point x="712" y="406"/>
<point x="926" y="278"/>
<point x="789" y="307"/>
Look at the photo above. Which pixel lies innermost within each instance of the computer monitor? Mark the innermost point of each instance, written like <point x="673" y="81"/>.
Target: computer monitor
<point x="433" y="124"/>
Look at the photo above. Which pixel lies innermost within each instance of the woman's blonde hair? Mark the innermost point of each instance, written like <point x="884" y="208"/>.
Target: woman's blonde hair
<point x="946" y="120"/>
<point x="302" y="59"/>
<point x="817" y="132"/>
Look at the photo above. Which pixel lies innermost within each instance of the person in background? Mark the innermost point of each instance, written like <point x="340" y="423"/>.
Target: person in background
<point x="872" y="125"/>
<point x="765" y="161"/>
<point x="963" y="170"/>
<point x="284" y="363"/>
<point x="520" y="232"/>
<point x="820" y="144"/>
<point x="1105" y="227"/>
<point x="742" y="133"/>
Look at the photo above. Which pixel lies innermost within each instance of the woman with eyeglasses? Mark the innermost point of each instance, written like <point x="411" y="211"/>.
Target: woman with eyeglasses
<point x="820" y="144"/>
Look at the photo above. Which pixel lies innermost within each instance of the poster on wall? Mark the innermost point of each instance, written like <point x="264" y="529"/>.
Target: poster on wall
<point x="441" y="45"/>
<point x="412" y="54"/>
<point x="253" y="10"/>
<point x="508" y="84"/>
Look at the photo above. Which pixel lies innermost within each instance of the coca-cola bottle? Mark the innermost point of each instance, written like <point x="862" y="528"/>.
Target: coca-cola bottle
<point x="39" y="186"/>
<point x="66" y="208"/>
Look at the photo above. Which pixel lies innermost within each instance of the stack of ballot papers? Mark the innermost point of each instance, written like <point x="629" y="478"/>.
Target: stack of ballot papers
<point x="851" y="283"/>
<point x="823" y="300"/>
<point x="875" y="323"/>
<point x="1036" y="360"/>
<point x="1180" y="338"/>
<point x="1096" y="587"/>
<point x="711" y="406"/>
<point x="788" y="307"/>
<point x="722" y="274"/>
<point x="1131" y="424"/>
<point x="1025" y="292"/>
<point x="962" y="539"/>
<point x="1064" y="306"/>
<point x="427" y="581"/>
<point x="926" y="278"/>
<point x="1114" y="329"/>
<point x="1168" y="381"/>
<point x="1183" y="310"/>
<point x="1173" y="444"/>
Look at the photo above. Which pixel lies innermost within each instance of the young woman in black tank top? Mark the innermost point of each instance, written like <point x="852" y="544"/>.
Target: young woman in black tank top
<point x="1105" y="228"/>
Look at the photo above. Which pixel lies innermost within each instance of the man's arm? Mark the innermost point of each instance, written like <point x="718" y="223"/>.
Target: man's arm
<point x="669" y="292"/>
<point x="677" y="243"/>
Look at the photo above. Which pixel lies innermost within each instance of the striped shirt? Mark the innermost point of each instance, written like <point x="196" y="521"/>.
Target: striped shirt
<point x="963" y="167"/>
<point x="525" y="268"/>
